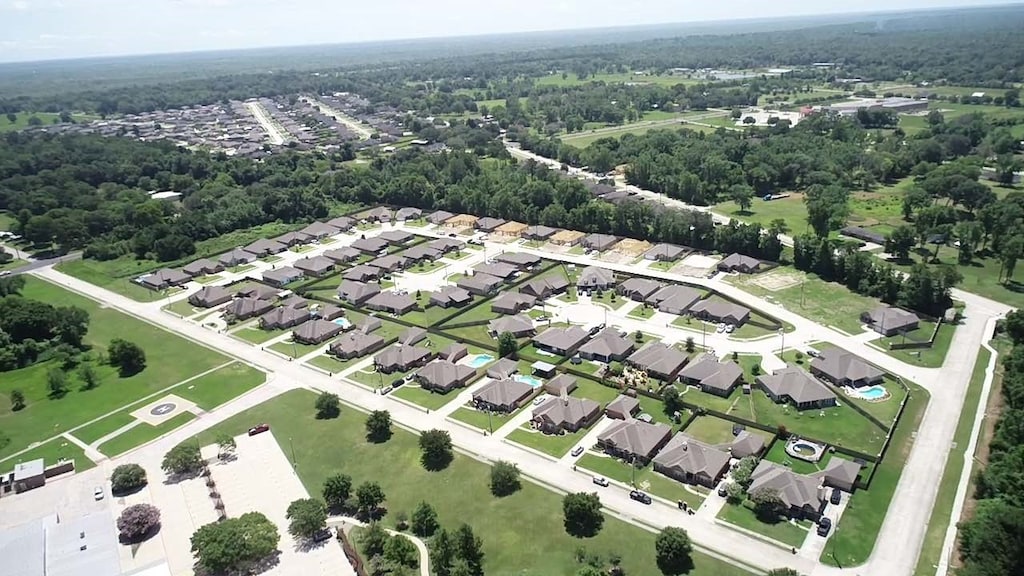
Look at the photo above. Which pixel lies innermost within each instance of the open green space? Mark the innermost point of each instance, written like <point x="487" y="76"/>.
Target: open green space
<point x="257" y="335"/>
<point x="853" y="538"/>
<point x="529" y="519"/>
<point x="209" y="279"/>
<point x="481" y="312"/>
<point x="141" y="434"/>
<point x="935" y="535"/>
<point x="784" y="531"/>
<point x="584" y="139"/>
<point x="481" y="419"/>
<point x="97" y="273"/>
<point x="710" y="429"/>
<point x="12" y="264"/>
<point x="430" y="315"/>
<point x="980" y="277"/>
<point x="556" y="445"/>
<point x="182" y="308"/>
<point x="928" y="357"/>
<point x="430" y="400"/>
<point x="47" y="118"/>
<point x="586" y="388"/>
<point x="642" y="312"/>
<point x="645" y="478"/>
<point x="332" y="364"/>
<point x="426" y="267"/>
<point x="100" y="428"/>
<point x="839" y="425"/>
<point x="736" y="401"/>
<point x="293" y="349"/>
<point x="51" y="452"/>
<point x="43" y="417"/>
<point x="221" y="385"/>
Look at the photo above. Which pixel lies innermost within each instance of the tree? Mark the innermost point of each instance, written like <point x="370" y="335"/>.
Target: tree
<point x="469" y="549"/>
<point x="734" y="493"/>
<point x="225" y="444"/>
<point x="900" y="241"/>
<point x="827" y="208"/>
<point x="1011" y="251"/>
<point x="583" y="517"/>
<point x="378" y="426"/>
<point x="673" y="551"/>
<point x="767" y="504"/>
<point x="137" y="522"/>
<point x="17" y="400"/>
<point x="504" y="478"/>
<point x="183" y="459"/>
<point x="127" y="478"/>
<point x="374" y="539"/>
<point x="35" y="121"/>
<point x="673" y="401"/>
<point x="369" y="496"/>
<point x="992" y="542"/>
<point x="128" y="357"/>
<point x="235" y="544"/>
<point x="507" y="345"/>
<point x="336" y="491"/>
<point x="745" y="467"/>
<point x="442" y="553"/>
<point x="400" y="551"/>
<point x="327" y="405"/>
<point x="437" y="449"/>
<point x="306" y="517"/>
<point x="424" y="520"/>
<point x="690" y="345"/>
<point x="742" y="195"/>
<point x="57" y="383"/>
<point x="88" y="375"/>
<point x="12" y="117"/>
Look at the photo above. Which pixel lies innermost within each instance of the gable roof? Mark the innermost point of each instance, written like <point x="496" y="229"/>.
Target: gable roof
<point x="560" y="384"/>
<point x="624" y="405"/>
<point x="439" y="216"/>
<point x="644" y="287"/>
<point x="722" y="309"/>
<point x="520" y="259"/>
<point x="502" y="369"/>
<point x="421" y="251"/>
<point x="691" y="456"/>
<point x="360" y="272"/>
<point x="746" y="444"/>
<point x="210" y="294"/>
<point x="282" y="275"/>
<point x="512" y="302"/>
<point x="712" y="372"/>
<point x="342" y="223"/>
<point x="540" y="232"/>
<point x="839" y="364"/>
<point x="502" y="392"/>
<point x="444" y="374"/>
<point x="236" y="255"/>
<point x="518" y="324"/>
<point x="545" y="286"/>
<point x="319" y="229"/>
<point x="570" y="410"/>
<point x="389" y="262"/>
<point x="395" y="236"/>
<point x="607" y="343"/>
<point x="487" y="223"/>
<point x="450" y="295"/>
<point x="197" y="267"/>
<point x="480" y="282"/>
<point x="316" y="330"/>
<point x="345" y="254"/>
<point x="401" y="356"/>
<point x="412" y="335"/>
<point x="262" y="246"/>
<point x="635" y="437"/>
<point x="356" y="291"/>
<point x="314" y="264"/>
<point x="408" y="213"/>
<point x="357" y="343"/>
<point x="674" y="299"/>
<point x="795" y="490"/>
<point x="454" y="351"/>
<point x="596" y="276"/>
<point x="391" y="301"/>
<point x="839" y="470"/>
<point x="658" y="357"/>
<point x="795" y="383"/>
<point x="888" y="318"/>
<point x="737" y="260"/>
<point x="600" y="242"/>
<point x="664" y="252"/>
<point x="565" y="339"/>
<point x="370" y="245"/>
<point x="497" y="269"/>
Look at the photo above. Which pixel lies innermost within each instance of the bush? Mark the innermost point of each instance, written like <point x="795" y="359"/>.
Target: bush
<point x="127" y="478"/>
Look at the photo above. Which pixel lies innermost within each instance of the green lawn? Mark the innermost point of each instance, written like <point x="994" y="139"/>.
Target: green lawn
<point x="553" y="445"/>
<point x="530" y="520"/>
<point x="182" y="308"/>
<point x="413" y="393"/>
<point x="142" y="434"/>
<point x="481" y="312"/>
<point x="332" y="364"/>
<point x="221" y="385"/>
<point x="646" y="478"/>
<point x="710" y="429"/>
<point x="663" y="266"/>
<point x="586" y="388"/>
<point x="53" y="451"/>
<point x="778" y="455"/>
<point x="257" y="335"/>
<point x="43" y="418"/>
<point x="12" y="264"/>
<point x="642" y="312"/>
<point x="207" y="279"/>
<point x="853" y="538"/>
<point x="98" y="273"/>
<point x="839" y="425"/>
<point x="981" y="276"/>
<point x="928" y="357"/>
<point x="293" y="349"/>
<point x="47" y="118"/>
<point x="430" y="315"/>
<point x="101" y="428"/>
<point x="783" y="531"/>
<point x="481" y="419"/>
<point x="735" y="401"/>
<point x="426" y="267"/>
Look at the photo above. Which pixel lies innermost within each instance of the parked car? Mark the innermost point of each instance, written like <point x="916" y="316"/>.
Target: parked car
<point x="453" y="235"/>
<point x="386" y="390"/>
<point x="824" y="525"/>
<point x="97" y="493"/>
<point x="640" y="496"/>
<point x="812" y="353"/>
<point x="323" y="535"/>
<point x="722" y="491"/>
<point x="729" y="329"/>
<point x="601" y="481"/>
<point x="539" y="400"/>
<point x="258" y="429"/>
<point x="720" y="328"/>
<point x="836" y="496"/>
<point x="577" y="451"/>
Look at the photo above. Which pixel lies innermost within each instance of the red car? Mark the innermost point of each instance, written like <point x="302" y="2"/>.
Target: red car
<point x="258" y="429"/>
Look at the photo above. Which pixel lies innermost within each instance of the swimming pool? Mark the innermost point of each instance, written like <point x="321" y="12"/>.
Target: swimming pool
<point x="873" y="392"/>
<point x="343" y="322"/>
<point x="479" y="360"/>
<point x="531" y="380"/>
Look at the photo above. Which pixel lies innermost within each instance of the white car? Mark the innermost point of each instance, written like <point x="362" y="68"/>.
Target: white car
<point x="729" y="329"/>
<point x="97" y="493"/>
<point x="577" y="451"/>
<point x="601" y="481"/>
<point x="720" y="328"/>
<point x="539" y="400"/>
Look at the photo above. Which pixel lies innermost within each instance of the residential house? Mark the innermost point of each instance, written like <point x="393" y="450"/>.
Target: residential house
<point x="503" y="369"/>
<point x="342" y="223"/>
<point x="396" y="237"/>
<point x="839" y="473"/>
<point x="446" y="245"/>
<point x="210" y="296"/>
<point x="236" y="257"/>
<point x="438" y="218"/>
<point x="372" y="245"/>
<point x="511" y="229"/>
<point x="356" y="344"/>
<point x="413" y="335"/>
<point x="401" y="358"/>
<point x="746" y="444"/>
<point x="519" y="325"/>
<point x="567" y="237"/>
<point x="565" y="414"/>
<point x="546" y="287"/>
<point x="408" y="213"/>
<point x="461" y="221"/>
<point x="316" y="331"/>
<point x="450" y="297"/>
<point x="497" y="269"/>
<point x="599" y="242"/>
<point x="607" y="346"/>
<point x="281" y="276"/>
<point x="164" y="278"/>
<point x="292" y="239"/>
<point x="674" y="299"/>
<point x="561" y="341"/>
<point x="502" y="395"/>
<point x="539" y="233"/>
<point x="381" y="214"/>
<point x="357" y="292"/>
<point x="443" y="376"/>
<point x="488" y="224"/>
<point x="258" y="291"/>
<point x="691" y="461"/>
<point x="327" y="311"/>
<point x="369" y="324"/>
<point x="285" y="317"/>
<point x="479" y="284"/>
<point x="454" y="352"/>
<point x="520" y="260"/>
<point x="797" y="387"/>
<point x="864" y="234"/>
<point x="392" y="302"/>
<point x="319" y="231"/>
<point x="512" y="302"/>
<point x="315" y="266"/>
<point x="203" y="267"/>
<point x="844" y="368"/>
<point x="623" y="407"/>
<point x="639" y="289"/>
<point x="595" y="278"/>
<point x="802" y="496"/>
<point x="665" y="253"/>
<point x="390" y="263"/>
<point x="888" y="321"/>
<point x="342" y="255"/>
<point x="739" y="263"/>
<point x="246" y="307"/>
<point x="264" y="247"/>
<point x="659" y="361"/>
<point x="560" y="385"/>
<point x="712" y="375"/>
<point x="634" y="440"/>
<point x="715" y="309"/>
<point x="362" y="273"/>
<point x="422" y="253"/>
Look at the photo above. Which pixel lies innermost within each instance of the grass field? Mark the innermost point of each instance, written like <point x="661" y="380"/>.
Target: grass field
<point x="43" y="418"/>
<point x="839" y="425"/>
<point x="549" y="444"/>
<point x="53" y="451"/>
<point x="141" y="434"/>
<point x="47" y="118"/>
<point x="783" y="531"/>
<point x="980" y="277"/>
<point x="530" y="520"/>
<point x="427" y="399"/>
<point x="645" y="478"/>
<point x="710" y="430"/>
<point x="221" y="385"/>
<point x="480" y="419"/>
<point x="571" y="79"/>
<point x="294" y="349"/>
<point x="928" y="357"/>
<point x="101" y="428"/>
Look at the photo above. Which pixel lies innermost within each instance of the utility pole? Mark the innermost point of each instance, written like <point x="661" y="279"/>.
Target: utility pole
<point x="782" y="335"/>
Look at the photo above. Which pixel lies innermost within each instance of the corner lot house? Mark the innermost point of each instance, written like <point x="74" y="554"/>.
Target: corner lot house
<point x="210" y="296"/>
<point x="888" y="321"/>
<point x="316" y="331"/>
<point x="450" y="297"/>
<point x="544" y="288"/>
<point x="665" y="253"/>
<point x="357" y="292"/>
<point x="561" y="341"/>
<point x="794" y="386"/>
<point x="315" y="266"/>
<point x="539" y="233"/>
<point x="739" y="263"/>
<point x="502" y="395"/>
<point x="284" y="317"/>
<point x="164" y="278"/>
<point x="283" y="275"/>
<point x="658" y="360"/>
<point x="844" y="368"/>
<point x="443" y="376"/>
<point x="512" y="302"/>
<point x="236" y="257"/>
<point x="264" y="247"/>
<point x="202" y="267"/>
<point x="623" y="407"/>
<point x="599" y="242"/>
<point x="839" y="473"/>
<point x="595" y="278"/>
<point x="401" y="358"/>
<point x="674" y="299"/>
<point x="802" y="496"/>
<point x="356" y="344"/>
<point x="319" y="231"/>
<point x="607" y="346"/>
<point x="711" y="375"/>
<point x="634" y="440"/>
<point x="519" y="325"/>
<point x="569" y="414"/>
<point x="716" y="309"/>
<point x="246" y="307"/>
<point x="691" y="461"/>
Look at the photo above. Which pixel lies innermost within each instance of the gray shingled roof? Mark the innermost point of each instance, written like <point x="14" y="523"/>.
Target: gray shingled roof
<point x="519" y="259"/>
<point x="566" y="339"/>
<point x="594" y="276"/>
<point x="687" y="455"/>
<point x="674" y="299"/>
<point x="608" y="343"/>
<point x="518" y="324"/>
<point x="502" y="392"/>
<point x="839" y="365"/>
<point x="795" y="490"/>
<point x="512" y="302"/>
<point x="570" y="411"/>
<point x="357" y="292"/>
<point x="797" y="384"/>
<point x="713" y="373"/>
<point x="635" y="437"/>
<point x="658" y="358"/>
<point x="887" y="318"/>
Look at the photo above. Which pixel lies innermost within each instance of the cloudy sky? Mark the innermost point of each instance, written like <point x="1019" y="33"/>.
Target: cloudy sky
<point x="46" y="29"/>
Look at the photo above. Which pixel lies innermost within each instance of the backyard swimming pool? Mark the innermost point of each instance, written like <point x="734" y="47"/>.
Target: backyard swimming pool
<point x="479" y="360"/>
<point x="531" y="380"/>
<point x="343" y="322"/>
<point x="873" y="393"/>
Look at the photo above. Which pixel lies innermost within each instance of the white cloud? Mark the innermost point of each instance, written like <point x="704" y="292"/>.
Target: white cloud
<point x="20" y="5"/>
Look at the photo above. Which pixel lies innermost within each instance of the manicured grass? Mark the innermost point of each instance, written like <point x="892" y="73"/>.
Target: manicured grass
<point x="101" y="428"/>
<point x="596" y="391"/>
<point x="472" y="334"/>
<point x="584" y="139"/>
<point x="257" y="335"/>
<point x="182" y="308"/>
<point x="142" y="434"/>
<point x="783" y="531"/>
<point x="481" y="312"/>
<point x="735" y="401"/>
<point x="43" y="418"/>
<point x="778" y="455"/>
<point x="529" y="519"/>
<point x="885" y="410"/>
<point x="646" y="478"/>
<point x="332" y="364"/>
<point x="430" y="315"/>
<point x="271" y="259"/>
<point x="427" y="399"/>
<point x="839" y="425"/>
<point x="663" y="266"/>
<point x="931" y="548"/>
<point x="480" y="419"/>
<point x="710" y="430"/>
<point x="642" y="312"/>
<point x="51" y="452"/>
<point x="221" y="385"/>
<point x="928" y="357"/>
<point x="854" y="537"/>
<point x="47" y="118"/>
<point x="425" y="267"/>
<point x="824" y="302"/>
<point x="98" y="273"/>
<point x="12" y="264"/>
<point x="241" y="268"/>
<point x="553" y="445"/>
<point x="207" y="279"/>
<point x="294" y="349"/>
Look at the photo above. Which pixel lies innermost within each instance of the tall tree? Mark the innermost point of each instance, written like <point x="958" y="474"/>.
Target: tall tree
<point x="469" y="549"/>
<point x="900" y="241"/>
<point x="327" y="405"/>
<point x="137" y="522"/>
<point x="336" y="491"/>
<point x="128" y="357"/>
<point x="424" y="520"/>
<point x="442" y="553"/>
<point x="827" y="208"/>
<point x="673" y="552"/>
<point x="582" y="514"/>
<point x="17" y="400"/>
<point x="436" y="447"/>
<point x="307" y="517"/>
<point x="127" y="478"/>
<point x="235" y="543"/>
<point x="183" y="459"/>
<point x="378" y="426"/>
<point x="370" y="496"/>
<point x="507" y="345"/>
<point x="504" y="478"/>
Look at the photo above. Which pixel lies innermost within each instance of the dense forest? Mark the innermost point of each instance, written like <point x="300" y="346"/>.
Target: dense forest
<point x="31" y="330"/>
